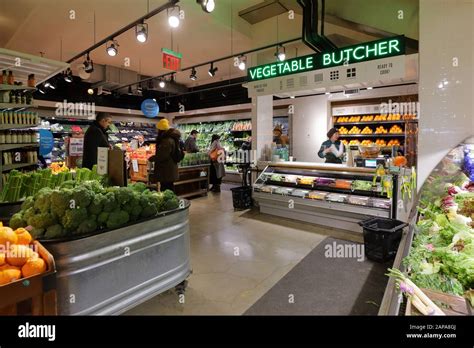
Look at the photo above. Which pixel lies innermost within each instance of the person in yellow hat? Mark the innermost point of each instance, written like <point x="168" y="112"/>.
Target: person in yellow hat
<point x="169" y="153"/>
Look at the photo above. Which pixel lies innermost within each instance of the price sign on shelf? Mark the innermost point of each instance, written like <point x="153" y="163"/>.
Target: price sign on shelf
<point x="135" y="165"/>
<point x="76" y="146"/>
<point x="102" y="160"/>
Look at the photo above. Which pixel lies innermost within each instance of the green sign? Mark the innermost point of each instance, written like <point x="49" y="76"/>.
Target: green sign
<point x="343" y="56"/>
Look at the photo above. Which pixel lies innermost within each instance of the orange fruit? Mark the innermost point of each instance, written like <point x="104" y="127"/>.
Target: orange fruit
<point x="2" y="259"/>
<point x="18" y="254"/>
<point x="7" y="236"/>
<point x="34" y="265"/>
<point x="24" y="237"/>
<point x="9" y="274"/>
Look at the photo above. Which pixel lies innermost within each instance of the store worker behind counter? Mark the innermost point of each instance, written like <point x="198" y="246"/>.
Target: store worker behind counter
<point x="190" y="144"/>
<point x="332" y="149"/>
<point x="168" y="154"/>
<point x="95" y="137"/>
<point x="217" y="170"/>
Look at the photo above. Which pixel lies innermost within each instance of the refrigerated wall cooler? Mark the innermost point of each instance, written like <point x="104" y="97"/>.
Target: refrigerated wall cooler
<point x="332" y="195"/>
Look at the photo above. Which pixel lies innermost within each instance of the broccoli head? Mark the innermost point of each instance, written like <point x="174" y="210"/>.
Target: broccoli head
<point x="123" y="195"/>
<point x="73" y="218"/>
<point x="60" y="201"/>
<point x="54" y="231"/>
<point x="149" y="208"/>
<point x="171" y="204"/>
<point x="138" y="187"/>
<point x="117" y="218"/>
<point x="43" y="200"/>
<point x="17" y="221"/>
<point x="110" y="203"/>
<point x="28" y="203"/>
<point x="168" y="194"/>
<point x="102" y="218"/>
<point x="37" y="233"/>
<point x="41" y="220"/>
<point x="28" y="213"/>
<point x="93" y="185"/>
<point x="88" y="226"/>
<point x="82" y="196"/>
<point x="97" y="204"/>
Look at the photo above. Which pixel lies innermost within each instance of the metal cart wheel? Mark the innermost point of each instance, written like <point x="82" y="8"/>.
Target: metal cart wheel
<point x="181" y="287"/>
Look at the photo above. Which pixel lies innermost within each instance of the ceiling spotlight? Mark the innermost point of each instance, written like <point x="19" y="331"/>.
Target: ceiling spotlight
<point x="162" y="84"/>
<point x="88" y="64"/>
<point x="112" y="48"/>
<point x="67" y="75"/>
<point x="212" y="71"/>
<point x="41" y="89"/>
<point x="207" y="5"/>
<point x="193" y="75"/>
<point x="90" y="91"/>
<point x="369" y="88"/>
<point x="141" y="32"/>
<point x="242" y="60"/>
<point x="173" y="17"/>
<point x="50" y="84"/>
<point x="280" y="53"/>
<point x="327" y="93"/>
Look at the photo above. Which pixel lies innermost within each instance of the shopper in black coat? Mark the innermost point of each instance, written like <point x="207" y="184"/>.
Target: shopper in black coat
<point x="95" y="137"/>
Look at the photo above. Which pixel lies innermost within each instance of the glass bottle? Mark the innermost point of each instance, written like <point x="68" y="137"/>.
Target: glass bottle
<point x="14" y="137"/>
<point x="8" y="138"/>
<point x="4" y="77"/>
<point x="10" y="79"/>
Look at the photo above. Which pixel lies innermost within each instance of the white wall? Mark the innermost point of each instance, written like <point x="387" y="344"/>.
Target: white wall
<point x="311" y="119"/>
<point x="446" y="33"/>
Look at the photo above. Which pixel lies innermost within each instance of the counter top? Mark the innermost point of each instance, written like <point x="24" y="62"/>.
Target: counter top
<point x="318" y="166"/>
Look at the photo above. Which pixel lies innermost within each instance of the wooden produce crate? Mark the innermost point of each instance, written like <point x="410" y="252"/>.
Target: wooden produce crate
<point x="142" y="174"/>
<point x="449" y="304"/>
<point x="35" y="295"/>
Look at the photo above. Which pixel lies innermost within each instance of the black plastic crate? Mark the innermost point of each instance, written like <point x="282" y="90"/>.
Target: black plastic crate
<point x="242" y="197"/>
<point x="381" y="238"/>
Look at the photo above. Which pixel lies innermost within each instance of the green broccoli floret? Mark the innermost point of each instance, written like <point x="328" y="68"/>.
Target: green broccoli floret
<point x="37" y="233"/>
<point x="82" y="196"/>
<point x="28" y="213"/>
<point x="97" y="204"/>
<point x="136" y="212"/>
<point x="138" y="187"/>
<point x="43" y="200"/>
<point x="110" y="203"/>
<point x="41" y="220"/>
<point x="17" y="221"/>
<point x="88" y="226"/>
<point x="93" y="185"/>
<point x="60" y="202"/>
<point x="171" y="201"/>
<point x="102" y="218"/>
<point x="117" y="218"/>
<point x="55" y="231"/>
<point x="70" y="184"/>
<point x="73" y="218"/>
<point x="28" y="203"/>
<point x="168" y="194"/>
<point x="158" y="199"/>
<point x="124" y="195"/>
<point x="149" y="208"/>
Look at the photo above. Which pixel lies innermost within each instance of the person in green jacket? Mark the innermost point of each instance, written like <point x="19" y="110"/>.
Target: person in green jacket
<point x="332" y="149"/>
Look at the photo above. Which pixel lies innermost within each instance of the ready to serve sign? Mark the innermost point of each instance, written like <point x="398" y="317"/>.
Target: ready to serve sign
<point x="353" y="54"/>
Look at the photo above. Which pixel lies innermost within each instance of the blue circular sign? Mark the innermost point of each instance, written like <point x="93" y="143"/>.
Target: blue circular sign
<point x="46" y="142"/>
<point x="150" y="108"/>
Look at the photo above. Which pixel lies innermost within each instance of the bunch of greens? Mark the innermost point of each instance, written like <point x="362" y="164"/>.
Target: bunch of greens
<point x="79" y="208"/>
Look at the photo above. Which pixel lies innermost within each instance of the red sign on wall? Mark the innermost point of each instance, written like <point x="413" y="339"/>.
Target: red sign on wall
<point x="171" y="59"/>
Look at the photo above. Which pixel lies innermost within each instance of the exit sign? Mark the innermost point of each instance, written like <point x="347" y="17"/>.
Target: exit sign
<point x="171" y="59"/>
<point x="342" y="56"/>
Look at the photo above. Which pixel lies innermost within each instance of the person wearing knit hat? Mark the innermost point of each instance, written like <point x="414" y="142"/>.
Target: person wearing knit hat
<point x="332" y="149"/>
<point x="168" y="154"/>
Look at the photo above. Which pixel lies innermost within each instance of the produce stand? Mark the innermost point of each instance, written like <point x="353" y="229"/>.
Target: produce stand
<point x="287" y="188"/>
<point x="452" y="166"/>
<point x="111" y="272"/>
<point x="192" y="180"/>
<point x="35" y="295"/>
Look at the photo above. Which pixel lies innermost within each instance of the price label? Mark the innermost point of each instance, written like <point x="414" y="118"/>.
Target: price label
<point x="76" y="146"/>
<point x="102" y="160"/>
<point x="135" y="165"/>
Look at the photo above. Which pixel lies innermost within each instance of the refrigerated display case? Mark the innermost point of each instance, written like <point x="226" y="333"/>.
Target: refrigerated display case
<point x="434" y="249"/>
<point x="331" y="195"/>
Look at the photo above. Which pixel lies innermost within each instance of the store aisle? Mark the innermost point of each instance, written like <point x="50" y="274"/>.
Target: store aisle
<point x="236" y="258"/>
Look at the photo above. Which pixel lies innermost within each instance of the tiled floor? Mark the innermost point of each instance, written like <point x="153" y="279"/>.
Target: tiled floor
<point x="236" y="257"/>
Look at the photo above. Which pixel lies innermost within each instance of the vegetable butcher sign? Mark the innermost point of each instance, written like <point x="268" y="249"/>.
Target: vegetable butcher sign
<point x="343" y="56"/>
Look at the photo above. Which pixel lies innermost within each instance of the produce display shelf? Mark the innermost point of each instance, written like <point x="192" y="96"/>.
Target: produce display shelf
<point x="182" y="182"/>
<point x="372" y="135"/>
<point x="5" y="147"/>
<point x="194" y="193"/>
<point x="5" y="87"/>
<point x="16" y="166"/>
<point x="327" y="189"/>
<point x="232" y="172"/>
<point x="17" y="126"/>
<point x="374" y="122"/>
<point x="195" y="166"/>
<point x="16" y="106"/>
